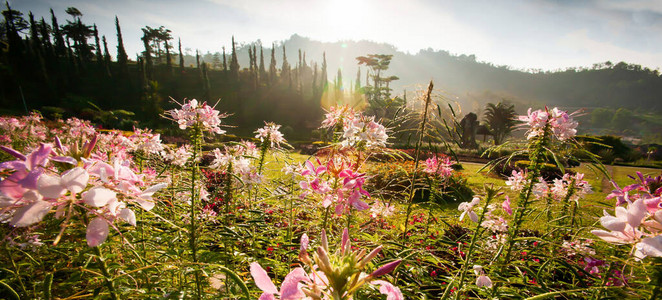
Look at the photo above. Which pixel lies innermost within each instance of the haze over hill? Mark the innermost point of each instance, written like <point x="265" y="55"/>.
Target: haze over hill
<point x="472" y="83"/>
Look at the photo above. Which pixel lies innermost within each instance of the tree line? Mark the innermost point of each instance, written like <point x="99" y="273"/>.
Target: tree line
<point x="67" y="70"/>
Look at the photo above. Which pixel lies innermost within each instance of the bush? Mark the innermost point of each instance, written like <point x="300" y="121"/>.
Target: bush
<point x="600" y="144"/>
<point x="393" y="178"/>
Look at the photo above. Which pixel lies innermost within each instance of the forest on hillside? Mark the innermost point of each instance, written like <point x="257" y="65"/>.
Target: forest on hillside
<point x="63" y="68"/>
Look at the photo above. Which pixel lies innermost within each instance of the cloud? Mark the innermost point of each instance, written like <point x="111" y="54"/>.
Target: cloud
<point x="585" y="47"/>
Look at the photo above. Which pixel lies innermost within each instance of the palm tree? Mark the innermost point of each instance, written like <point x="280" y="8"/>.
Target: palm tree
<point x="500" y="119"/>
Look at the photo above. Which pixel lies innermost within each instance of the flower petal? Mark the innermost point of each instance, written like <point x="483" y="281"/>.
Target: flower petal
<point x="386" y="288"/>
<point x="30" y="214"/>
<point x="266" y="296"/>
<point x="50" y="186"/>
<point x="98" y="196"/>
<point x="75" y="180"/>
<point x="128" y="215"/>
<point x="289" y="289"/>
<point x="97" y="232"/>
<point x="483" y="280"/>
<point x="38" y="157"/>
<point x="262" y="280"/>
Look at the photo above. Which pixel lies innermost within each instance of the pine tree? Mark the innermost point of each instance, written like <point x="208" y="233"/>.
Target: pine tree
<point x="205" y="82"/>
<point x="181" y="56"/>
<point x="263" y="71"/>
<point x="197" y="59"/>
<point x="98" y="46"/>
<point x="168" y="58"/>
<point x="147" y="55"/>
<point x="285" y="69"/>
<point x="45" y="36"/>
<point x="272" y="65"/>
<point x="357" y="85"/>
<point x="106" y="55"/>
<point x="34" y="35"/>
<point x="122" y="58"/>
<point x="225" y="61"/>
<point x="315" y="89"/>
<point x="60" y="50"/>
<point x="323" y="79"/>
<point x="234" y="63"/>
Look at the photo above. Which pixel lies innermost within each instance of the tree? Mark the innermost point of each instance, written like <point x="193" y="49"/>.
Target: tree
<point x="99" y="55"/>
<point x="181" y="57"/>
<point x="272" y="65"/>
<point x="378" y="94"/>
<point x="122" y="58"/>
<point x="74" y="13"/>
<point x="377" y="63"/>
<point x="234" y="63"/>
<point x="60" y="49"/>
<point x="500" y="120"/>
<point x="106" y="55"/>
<point x="285" y="69"/>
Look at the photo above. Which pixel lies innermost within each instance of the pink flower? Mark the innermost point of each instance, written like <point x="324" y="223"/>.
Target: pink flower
<point x="481" y="280"/>
<point x="467" y="209"/>
<point x="192" y="114"/>
<point x="623" y="227"/>
<point x="506" y="206"/>
<point x="289" y="289"/>
<point x="440" y="166"/>
<point x="517" y="181"/>
<point x="337" y="114"/>
<point x="392" y="292"/>
<point x="561" y="124"/>
<point x="270" y="132"/>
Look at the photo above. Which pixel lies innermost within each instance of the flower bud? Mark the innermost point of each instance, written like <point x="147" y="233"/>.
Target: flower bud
<point x="325" y="242"/>
<point x="385" y="269"/>
<point x="369" y="257"/>
<point x="323" y="261"/>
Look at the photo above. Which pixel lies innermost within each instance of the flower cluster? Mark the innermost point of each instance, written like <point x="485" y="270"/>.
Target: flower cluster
<point x="561" y="124"/>
<point x="342" y="187"/>
<point x="517" y="181"/>
<point x="23" y="129"/>
<point x="270" y="133"/>
<point x="637" y="219"/>
<point x="336" y="275"/>
<point x="573" y="187"/>
<point x="104" y="189"/>
<point x="194" y="114"/>
<point x="237" y="158"/>
<point x="358" y="130"/>
<point x="177" y="157"/>
<point x="381" y="209"/>
<point x="494" y="222"/>
<point x="146" y="141"/>
<point x="338" y="115"/>
<point x="439" y="166"/>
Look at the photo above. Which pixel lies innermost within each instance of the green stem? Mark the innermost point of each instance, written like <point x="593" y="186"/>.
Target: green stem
<point x="536" y="159"/>
<point x="291" y="208"/>
<point x="326" y="217"/>
<point x="410" y="199"/>
<point x="228" y="193"/>
<point x="197" y="139"/>
<point x="477" y="233"/>
<point x="657" y="279"/>
<point x="349" y="218"/>
<point x="106" y="275"/>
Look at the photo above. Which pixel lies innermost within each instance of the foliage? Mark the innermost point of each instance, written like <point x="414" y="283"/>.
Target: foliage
<point x="500" y="120"/>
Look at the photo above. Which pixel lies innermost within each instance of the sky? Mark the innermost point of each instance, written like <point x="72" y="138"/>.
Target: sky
<point x="522" y="34"/>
